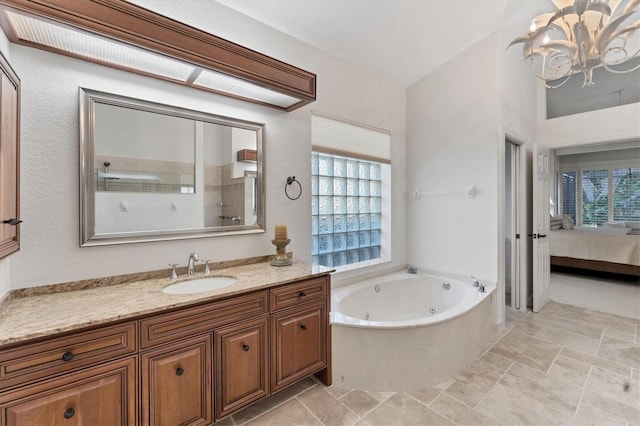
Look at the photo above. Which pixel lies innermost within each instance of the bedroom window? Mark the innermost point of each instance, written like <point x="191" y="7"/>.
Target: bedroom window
<point x="606" y="194"/>
<point x="595" y="197"/>
<point x="626" y="194"/>
<point x="350" y="197"/>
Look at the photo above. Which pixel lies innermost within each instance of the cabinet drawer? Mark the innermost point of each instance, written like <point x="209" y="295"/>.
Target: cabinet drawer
<point x="187" y="322"/>
<point x="293" y="294"/>
<point x="103" y="395"/>
<point x="55" y="356"/>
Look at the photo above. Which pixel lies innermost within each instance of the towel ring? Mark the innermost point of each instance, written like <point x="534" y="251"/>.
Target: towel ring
<point x="290" y="180"/>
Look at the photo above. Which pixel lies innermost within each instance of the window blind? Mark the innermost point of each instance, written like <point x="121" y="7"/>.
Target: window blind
<point x="337" y="137"/>
<point x="595" y="197"/>
<point x="626" y="194"/>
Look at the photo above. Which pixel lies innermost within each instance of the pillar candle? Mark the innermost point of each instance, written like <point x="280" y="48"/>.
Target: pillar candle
<point x="281" y="232"/>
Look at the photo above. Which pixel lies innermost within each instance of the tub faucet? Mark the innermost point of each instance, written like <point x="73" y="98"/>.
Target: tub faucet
<point x="193" y="258"/>
<point x="476" y="283"/>
<point x="412" y="270"/>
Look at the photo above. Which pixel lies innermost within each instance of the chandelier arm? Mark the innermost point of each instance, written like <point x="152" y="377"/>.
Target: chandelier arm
<point x="546" y="83"/>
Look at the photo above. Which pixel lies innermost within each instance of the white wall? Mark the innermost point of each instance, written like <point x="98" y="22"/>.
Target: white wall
<point x="452" y="143"/>
<point x="50" y="251"/>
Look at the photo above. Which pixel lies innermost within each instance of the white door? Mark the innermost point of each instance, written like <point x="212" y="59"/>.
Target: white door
<point x="541" y="268"/>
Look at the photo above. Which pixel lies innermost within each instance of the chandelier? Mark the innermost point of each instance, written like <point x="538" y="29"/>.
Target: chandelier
<point x="580" y="36"/>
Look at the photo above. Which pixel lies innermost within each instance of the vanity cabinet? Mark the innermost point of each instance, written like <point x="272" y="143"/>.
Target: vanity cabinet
<point x="9" y="159"/>
<point x="300" y="341"/>
<point x="176" y="383"/>
<point x="242" y="368"/>
<point x="192" y="365"/>
<point x="101" y="395"/>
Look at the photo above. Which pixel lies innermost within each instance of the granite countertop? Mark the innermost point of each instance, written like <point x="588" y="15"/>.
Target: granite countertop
<point x="41" y="314"/>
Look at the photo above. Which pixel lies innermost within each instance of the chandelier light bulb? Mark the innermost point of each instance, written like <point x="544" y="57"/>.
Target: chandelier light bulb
<point x="583" y="35"/>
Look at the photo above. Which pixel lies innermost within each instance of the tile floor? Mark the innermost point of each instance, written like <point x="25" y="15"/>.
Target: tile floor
<point x="563" y="366"/>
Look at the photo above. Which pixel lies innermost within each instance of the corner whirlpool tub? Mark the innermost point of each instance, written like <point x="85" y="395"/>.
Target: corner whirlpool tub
<point x="407" y="331"/>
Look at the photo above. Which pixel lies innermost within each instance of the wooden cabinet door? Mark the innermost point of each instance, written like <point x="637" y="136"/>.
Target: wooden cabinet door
<point x="9" y="158"/>
<point x="242" y="374"/>
<point x="298" y="347"/>
<point x="176" y="383"/>
<point x="104" y="395"/>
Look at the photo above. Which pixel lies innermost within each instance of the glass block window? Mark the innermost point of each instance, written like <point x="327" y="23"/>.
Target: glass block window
<point x="346" y="200"/>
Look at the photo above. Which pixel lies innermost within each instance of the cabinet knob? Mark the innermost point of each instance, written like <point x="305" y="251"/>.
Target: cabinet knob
<point x="13" y="221"/>
<point x="69" y="413"/>
<point x="67" y="356"/>
<point x="245" y="348"/>
<point x="303" y="326"/>
<point x="179" y="371"/>
<point x="302" y="294"/>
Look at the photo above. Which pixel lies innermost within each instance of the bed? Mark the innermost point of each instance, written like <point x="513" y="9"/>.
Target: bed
<point x="596" y="249"/>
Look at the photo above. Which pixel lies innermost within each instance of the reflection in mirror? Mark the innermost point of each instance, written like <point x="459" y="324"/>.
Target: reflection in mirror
<point x="153" y="172"/>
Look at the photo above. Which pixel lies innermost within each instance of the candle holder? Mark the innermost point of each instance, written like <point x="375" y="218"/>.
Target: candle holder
<point x="281" y="258"/>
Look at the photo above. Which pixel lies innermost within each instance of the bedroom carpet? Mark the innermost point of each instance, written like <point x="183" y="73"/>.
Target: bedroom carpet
<point x="563" y="366"/>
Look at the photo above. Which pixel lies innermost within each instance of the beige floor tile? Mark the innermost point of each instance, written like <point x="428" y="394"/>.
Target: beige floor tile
<point x="620" y="335"/>
<point x="497" y="360"/>
<point x="534" y="385"/>
<point x="635" y="373"/>
<point x="528" y="327"/>
<point x="458" y="412"/>
<point x="225" y="422"/>
<point x="569" y="312"/>
<point x="596" y="361"/>
<point x="620" y="351"/>
<point x="614" y="386"/>
<point x="578" y="327"/>
<point x="618" y="323"/>
<point x="274" y="400"/>
<point x="506" y="407"/>
<point x="464" y="393"/>
<point x="380" y="396"/>
<point x="569" y="339"/>
<point x="338" y="391"/>
<point x="589" y="416"/>
<point x="291" y="413"/>
<point x="403" y="410"/>
<point x="444" y="385"/>
<point x="325" y="407"/>
<point x="612" y="407"/>
<point x="514" y="316"/>
<point x="359" y="401"/>
<point x="570" y="370"/>
<point x="527" y="350"/>
<point x="550" y="308"/>
<point x="480" y="376"/>
<point x="425" y="395"/>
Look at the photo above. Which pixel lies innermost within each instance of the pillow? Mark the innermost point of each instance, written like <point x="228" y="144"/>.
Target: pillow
<point x="632" y="224"/>
<point x="567" y="222"/>
<point x="614" y="225"/>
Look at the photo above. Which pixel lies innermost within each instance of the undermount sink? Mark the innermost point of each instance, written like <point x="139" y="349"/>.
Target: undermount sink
<point x="199" y="285"/>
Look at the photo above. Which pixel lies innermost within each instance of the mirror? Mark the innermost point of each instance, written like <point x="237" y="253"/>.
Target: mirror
<point x="153" y="172"/>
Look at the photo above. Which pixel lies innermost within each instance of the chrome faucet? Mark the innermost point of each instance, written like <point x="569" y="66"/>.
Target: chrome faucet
<point x="476" y="283"/>
<point x="193" y="258"/>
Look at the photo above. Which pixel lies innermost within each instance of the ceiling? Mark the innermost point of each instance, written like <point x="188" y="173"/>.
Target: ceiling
<point x="398" y="40"/>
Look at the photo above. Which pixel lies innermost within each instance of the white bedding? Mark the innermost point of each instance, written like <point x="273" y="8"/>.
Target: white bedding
<point x="589" y="245"/>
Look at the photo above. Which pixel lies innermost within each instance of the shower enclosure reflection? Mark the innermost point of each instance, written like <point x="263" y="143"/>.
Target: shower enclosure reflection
<point x="155" y="172"/>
